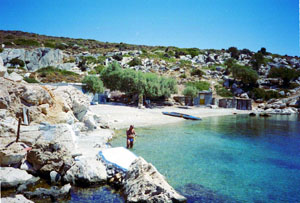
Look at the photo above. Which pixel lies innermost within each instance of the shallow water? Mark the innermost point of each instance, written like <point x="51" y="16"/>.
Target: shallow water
<point x="226" y="159"/>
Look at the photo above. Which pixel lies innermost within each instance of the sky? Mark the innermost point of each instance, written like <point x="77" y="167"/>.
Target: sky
<point x="205" y="24"/>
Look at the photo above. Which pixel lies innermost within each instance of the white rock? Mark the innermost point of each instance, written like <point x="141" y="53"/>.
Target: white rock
<point x="15" y="199"/>
<point x="144" y="183"/>
<point x="12" y="177"/>
<point x="14" y="77"/>
<point x="86" y="171"/>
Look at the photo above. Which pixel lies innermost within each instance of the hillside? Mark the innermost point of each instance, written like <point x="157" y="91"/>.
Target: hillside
<point x="260" y="75"/>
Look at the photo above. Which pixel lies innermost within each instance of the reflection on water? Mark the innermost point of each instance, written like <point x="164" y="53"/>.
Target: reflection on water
<point x="238" y="157"/>
<point x="98" y="194"/>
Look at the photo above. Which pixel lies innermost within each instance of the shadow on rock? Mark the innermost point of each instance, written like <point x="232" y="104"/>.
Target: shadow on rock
<point x="198" y="193"/>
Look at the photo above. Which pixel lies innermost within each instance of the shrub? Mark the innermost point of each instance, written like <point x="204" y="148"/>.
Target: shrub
<point x="246" y="51"/>
<point x="61" y="46"/>
<point x="190" y="91"/>
<point x="184" y="63"/>
<point x="9" y="37"/>
<point x="135" y="62"/>
<point x="183" y="75"/>
<point x="99" y="68"/>
<point x="26" y="42"/>
<point x="30" y="80"/>
<point x="223" y="92"/>
<point x="186" y="51"/>
<point x="234" y="52"/>
<point x="197" y="72"/>
<point x="16" y="61"/>
<point x="263" y="50"/>
<point x="246" y="74"/>
<point x="51" y="69"/>
<point x="118" y="57"/>
<point x="1" y="50"/>
<point x="49" y="44"/>
<point x="286" y="74"/>
<point x="136" y="82"/>
<point x="199" y="85"/>
<point x="257" y="60"/>
<point x="89" y="59"/>
<point x="51" y="74"/>
<point x="93" y="84"/>
<point x="8" y="43"/>
<point x="260" y="93"/>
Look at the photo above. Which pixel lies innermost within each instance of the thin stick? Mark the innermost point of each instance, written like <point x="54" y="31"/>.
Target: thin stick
<point x="18" y="133"/>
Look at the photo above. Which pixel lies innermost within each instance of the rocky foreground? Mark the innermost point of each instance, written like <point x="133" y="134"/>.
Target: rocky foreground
<point x="60" y="145"/>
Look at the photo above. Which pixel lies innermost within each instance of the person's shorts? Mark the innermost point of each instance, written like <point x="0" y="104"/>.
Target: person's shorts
<point x="130" y="139"/>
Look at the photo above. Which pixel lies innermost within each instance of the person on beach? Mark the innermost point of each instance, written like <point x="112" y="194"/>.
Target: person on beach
<point x="130" y="136"/>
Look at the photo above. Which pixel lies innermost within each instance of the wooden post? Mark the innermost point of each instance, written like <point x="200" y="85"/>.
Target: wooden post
<point x="18" y="133"/>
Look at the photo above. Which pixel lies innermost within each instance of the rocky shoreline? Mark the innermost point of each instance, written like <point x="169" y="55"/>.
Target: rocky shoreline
<point x="56" y="146"/>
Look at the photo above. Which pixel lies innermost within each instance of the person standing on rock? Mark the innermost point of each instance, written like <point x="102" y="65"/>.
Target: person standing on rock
<point x="130" y="136"/>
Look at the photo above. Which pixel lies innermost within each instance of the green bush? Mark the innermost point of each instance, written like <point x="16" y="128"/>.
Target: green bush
<point x="234" y="52"/>
<point x="135" y="62"/>
<point x="8" y="43"/>
<point x="9" y="37"/>
<point x="30" y="80"/>
<point x="185" y="63"/>
<point x="286" y="74"/>
<point x="26" y="42"/>
<point x="199" y="85"/>
<point x="244" y="73"/>
<point x="99" y="68"/>
<point x="61" y="46"/>
<point x="223" y="92"/>
<point x="93" y="84"/>
<point x="258" y="60"/>
<point x="1" y="50"/>
<point x="118" y="57"/>
<point x="50" y="44"/>
<point x="186" y="51"/>
<point x="16" y="61"/>
<point x="260" y="93"/>
<point x="190" y="91"/>
<point x="197" y="72"/>
<point x="183" y="75"/>
<point x="51" y="69"/>
<point x="136" y="82"/>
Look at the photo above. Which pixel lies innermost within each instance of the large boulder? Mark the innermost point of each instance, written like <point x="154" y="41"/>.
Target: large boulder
<point x="35" y="95"/>
<point x="86" y="171"/>
<point x="15" y="199"/>
<point x="13" y="177"/>
<point x="9" y="54"/>
<point x="144" y="183"/>
<point x="43" y="57"/>
<point x="47" y="157"/>
<point x="12" y="154"/>
<point x="73" y="99"/>
<point x="61" y="133"/>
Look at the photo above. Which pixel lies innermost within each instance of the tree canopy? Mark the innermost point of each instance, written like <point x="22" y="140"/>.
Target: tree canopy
<point x="93" y="84"/>
<point x="244" y="73"/>
<point x="136" y="82"/>
<point x="286" y="74"/>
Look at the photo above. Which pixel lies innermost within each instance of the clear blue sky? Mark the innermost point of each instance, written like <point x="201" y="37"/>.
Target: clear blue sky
<point x="217" y="24"/>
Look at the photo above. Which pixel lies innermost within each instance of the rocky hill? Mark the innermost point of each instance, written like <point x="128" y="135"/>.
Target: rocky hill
<point x="260" y="75"/>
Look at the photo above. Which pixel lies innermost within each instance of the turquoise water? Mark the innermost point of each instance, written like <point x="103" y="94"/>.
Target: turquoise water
<point x="226" y="159"/>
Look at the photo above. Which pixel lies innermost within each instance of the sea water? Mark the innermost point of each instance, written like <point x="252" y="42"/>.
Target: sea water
<point x="226" y="159"/>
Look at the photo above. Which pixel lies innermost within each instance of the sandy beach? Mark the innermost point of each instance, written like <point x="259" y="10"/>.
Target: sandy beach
<point x="119" y="117"/>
